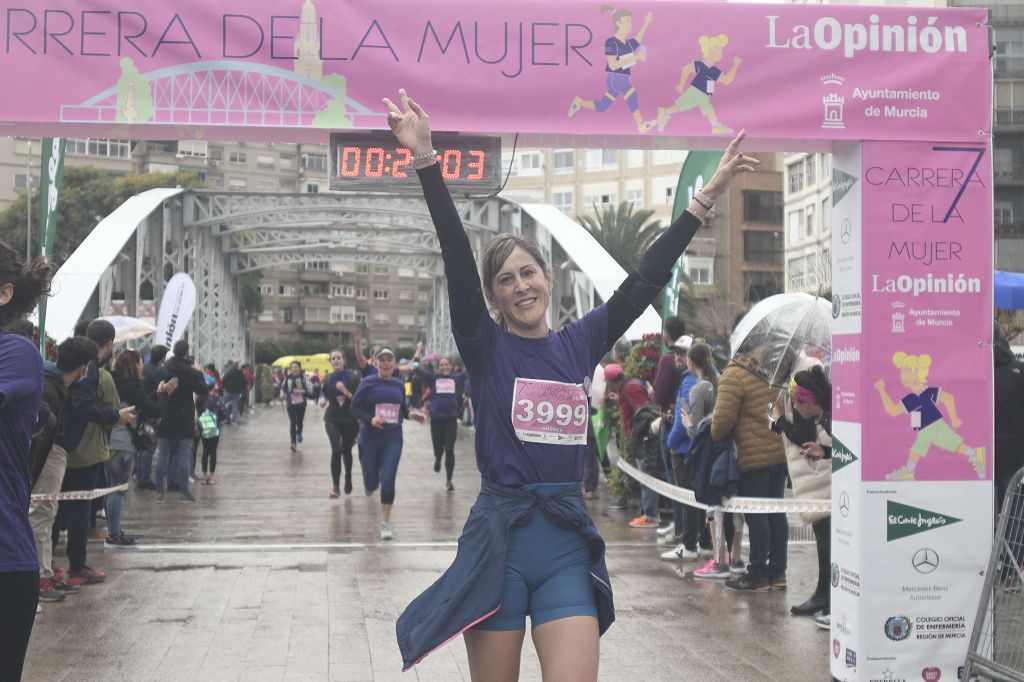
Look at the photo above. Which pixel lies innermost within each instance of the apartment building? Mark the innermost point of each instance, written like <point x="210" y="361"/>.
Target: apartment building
<point x="808" y="236"/>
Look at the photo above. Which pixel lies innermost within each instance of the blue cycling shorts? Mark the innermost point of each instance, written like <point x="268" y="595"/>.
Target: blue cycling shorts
<point x="547" y="575"/>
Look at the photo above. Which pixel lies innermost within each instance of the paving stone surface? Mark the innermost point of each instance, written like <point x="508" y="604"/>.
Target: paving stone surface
<point x="265" y="578"/>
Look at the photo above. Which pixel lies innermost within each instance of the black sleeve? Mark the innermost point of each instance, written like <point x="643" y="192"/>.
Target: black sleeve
<point x="465" y="294"/>
<point x="83" y="401"/>
<point x="653" y="272"/>
<point x="141" y="401"/>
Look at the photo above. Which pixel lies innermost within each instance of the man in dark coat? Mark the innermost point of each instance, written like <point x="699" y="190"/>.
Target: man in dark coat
<point x="177" y="423"/>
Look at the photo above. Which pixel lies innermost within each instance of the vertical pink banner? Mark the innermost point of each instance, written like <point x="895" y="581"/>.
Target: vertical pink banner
<point x="927" y="287"/>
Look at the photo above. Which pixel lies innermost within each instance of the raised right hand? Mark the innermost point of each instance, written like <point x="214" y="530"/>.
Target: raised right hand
<point x="412" y="126"/>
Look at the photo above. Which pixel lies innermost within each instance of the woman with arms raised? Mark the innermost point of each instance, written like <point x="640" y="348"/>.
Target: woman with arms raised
<point x="529" y="546"/>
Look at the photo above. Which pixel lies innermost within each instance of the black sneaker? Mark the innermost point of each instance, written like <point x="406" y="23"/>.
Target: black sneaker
<point x="119" y="541"/>
<point x="172" y="487"/>
<point x="448" y="487"/>
<point x="437" y="465"/>
<point x="747" y="584"/>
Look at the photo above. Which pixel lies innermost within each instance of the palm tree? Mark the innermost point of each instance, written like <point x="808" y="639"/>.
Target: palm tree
<point x="624" y="233"/>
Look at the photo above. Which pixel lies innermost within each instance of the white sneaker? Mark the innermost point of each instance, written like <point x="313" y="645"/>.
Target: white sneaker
<point x="824" y="622"/>
<point x="666" y="529"/>
<point x="385" y="531"/>
<point x="680" y="553"/>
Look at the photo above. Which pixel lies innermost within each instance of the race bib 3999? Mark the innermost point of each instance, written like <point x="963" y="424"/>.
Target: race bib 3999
<point x="550" y="412"/>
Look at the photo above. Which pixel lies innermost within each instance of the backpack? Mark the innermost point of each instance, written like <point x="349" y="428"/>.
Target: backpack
<point x="710" y="473"/>
<point x="208" y="425"/>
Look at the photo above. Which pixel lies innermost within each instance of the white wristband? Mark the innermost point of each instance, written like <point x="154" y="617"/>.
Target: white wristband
<point x="704" y="200"/>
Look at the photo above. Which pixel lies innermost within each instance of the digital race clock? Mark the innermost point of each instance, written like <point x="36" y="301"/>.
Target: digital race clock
<point x="373" y="160"/>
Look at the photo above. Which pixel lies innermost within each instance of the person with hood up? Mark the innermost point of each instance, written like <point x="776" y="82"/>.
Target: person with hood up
<point x="177" y="423"/>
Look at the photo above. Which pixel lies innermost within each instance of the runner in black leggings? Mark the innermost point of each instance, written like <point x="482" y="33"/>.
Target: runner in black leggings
<point x="446" y="397"/>
<point x="295" y="390"/>
<point x="342" y="426"/>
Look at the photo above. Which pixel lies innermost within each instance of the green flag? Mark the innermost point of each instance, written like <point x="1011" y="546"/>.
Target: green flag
<point x="49" y="192"/>
<point x="698" y="169"/>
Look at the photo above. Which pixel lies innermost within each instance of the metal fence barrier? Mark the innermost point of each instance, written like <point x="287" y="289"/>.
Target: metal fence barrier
<point x="996" y="650"/>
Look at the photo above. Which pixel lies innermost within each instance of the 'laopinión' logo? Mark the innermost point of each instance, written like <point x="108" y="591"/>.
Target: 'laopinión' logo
<point x="903" y="520"/>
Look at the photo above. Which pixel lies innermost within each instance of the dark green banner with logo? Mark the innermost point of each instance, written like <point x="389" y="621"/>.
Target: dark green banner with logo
<point x="696" y="172"/>
<point x="51" y="170"/>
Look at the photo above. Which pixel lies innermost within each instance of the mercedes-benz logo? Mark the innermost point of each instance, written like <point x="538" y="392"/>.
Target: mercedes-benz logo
<point x="846" y="231"/>
<point x="844" y="504"/>
<point x="925" y="560"/>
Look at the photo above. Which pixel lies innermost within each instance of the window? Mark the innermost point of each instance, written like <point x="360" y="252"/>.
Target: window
<point x="215" y="181"/>
<point x="406" y="272"/>
<point x="121" y="149"/>
<point x="216" y="154"/>
<point x="635" y="196"/>
<point x="701" y="270"/>
<point x="1003" y="161"/>
<point x="317" y="162"/>
<point x="812" y="269"/>
<point x="286" y="315"/>
<point x="634" y="158"/>
<point x="312" y="188"/>
<point x="381" y="270"/>
<point x="363" y="268"/>
<point x="563" y="200"/>
<point x="795" y="173"/>
<point x="317" y="265"/>
<point x="406" y="320"/>
<point x="423" y="296"/>
<point x="661" y="157"/>
<point x="264" y="160"/>
<point x="759" y="285"/>
<point x="361" y="319"/>
<point x="530" y="163"/>
<point x="762" y="206"/>
<point x="796" y="268"/>
<point x="1009" y="95"/>
<point x="193" y="148"/>
<point x="405" y="294"/>
<point x="380" y="294"/>
<point x="266" y="289"/>
<point x="601" y="200"/>
<point x="809" y="169"/>
<point x="826" y="268"/>
<point x="809" y="215"/>
<point x="826" y="215"/>
<point x="238" y="157"/>
<point x="343" y="313"/>
<point x="238" y="183"/>
<point x="1003" y="212"/>
<point x="795" y="222"/>
<point x="1009" y="48"/>
<point x="287" y="184"/>
<point x="265" y="316"/>
<point x="316" y="314"/>
<point x="381" y="318"/>
<point x="265" y="185"/>
<point x="286" y="161"/>
<point x="362" y="292"/>
<point x="762" y="247"/>
<point x="564" y="161"/>
<point x="20" y="180"/>
<point x="600" y="159"/>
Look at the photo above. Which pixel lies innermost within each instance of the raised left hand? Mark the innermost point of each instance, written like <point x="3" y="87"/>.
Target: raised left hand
<point x="732" y="164"/>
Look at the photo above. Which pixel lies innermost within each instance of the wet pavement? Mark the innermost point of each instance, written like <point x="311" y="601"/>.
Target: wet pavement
<point x="265" y="578"/>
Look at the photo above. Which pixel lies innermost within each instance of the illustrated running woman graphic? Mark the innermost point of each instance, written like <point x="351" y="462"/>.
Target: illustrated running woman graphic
<point x="922" y="404"/>
<point x="623" y="53"/>
<point x="705" y="75"/>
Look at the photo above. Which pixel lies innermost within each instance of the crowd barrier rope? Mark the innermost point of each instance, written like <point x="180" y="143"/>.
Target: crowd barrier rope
<point x="80" y="494"/>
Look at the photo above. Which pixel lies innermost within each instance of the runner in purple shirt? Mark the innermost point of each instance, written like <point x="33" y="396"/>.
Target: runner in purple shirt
<point x="446" y="396"/>
<point x="21" y="393"/>
<point x="529" y="391"/>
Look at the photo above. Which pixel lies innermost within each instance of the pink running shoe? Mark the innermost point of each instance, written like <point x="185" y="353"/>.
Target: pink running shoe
<point x="712" y="570"/>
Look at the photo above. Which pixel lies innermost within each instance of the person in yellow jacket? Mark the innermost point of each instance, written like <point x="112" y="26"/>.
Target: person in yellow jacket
<point x="741" y="412"/>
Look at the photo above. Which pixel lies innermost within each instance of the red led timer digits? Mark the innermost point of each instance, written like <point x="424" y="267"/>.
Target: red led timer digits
<point x="375" y="162"/>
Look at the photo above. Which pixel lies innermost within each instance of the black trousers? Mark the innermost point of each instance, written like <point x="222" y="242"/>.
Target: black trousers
<point x="695" y="529"/>
<point x="74" y="514"/>
<point x="342" y="436"/>
<point x="443" y="431"/>
<point x="19" y="594"/>
<point x="296" y="415"/>
<point x="823" y="539"/>
<point x="210" y="454"/>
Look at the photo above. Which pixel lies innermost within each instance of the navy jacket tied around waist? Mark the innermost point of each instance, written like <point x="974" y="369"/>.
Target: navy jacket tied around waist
<point x="470" y="590"/>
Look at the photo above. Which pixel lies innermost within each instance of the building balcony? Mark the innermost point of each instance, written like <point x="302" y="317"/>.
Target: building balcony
<point x="1009" y="230"/>
<point x="314" y="275"/>
<point x="1009" y="119"/>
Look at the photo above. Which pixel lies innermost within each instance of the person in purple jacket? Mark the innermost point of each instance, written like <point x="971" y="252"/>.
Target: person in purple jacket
<point x="380" y="405"/>
<point x="529" y="546"/>
<point x="21" y="393"/>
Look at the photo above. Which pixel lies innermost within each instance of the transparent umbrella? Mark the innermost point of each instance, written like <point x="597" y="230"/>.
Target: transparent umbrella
<point x="129" y="328"/>
<point x="779" y="329"/>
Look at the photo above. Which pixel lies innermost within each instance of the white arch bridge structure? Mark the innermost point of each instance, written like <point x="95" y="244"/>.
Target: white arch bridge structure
<point x="215" y="236"/>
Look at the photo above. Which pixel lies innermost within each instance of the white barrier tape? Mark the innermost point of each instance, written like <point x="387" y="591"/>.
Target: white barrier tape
<point x="742" y="505"/>
<point x="80" y="494"/>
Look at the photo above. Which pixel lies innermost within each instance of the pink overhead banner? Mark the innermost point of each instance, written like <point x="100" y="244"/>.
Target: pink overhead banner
<point x="285" y="69"/>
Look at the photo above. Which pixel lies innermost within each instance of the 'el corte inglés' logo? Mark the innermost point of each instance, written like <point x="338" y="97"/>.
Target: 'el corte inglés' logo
<point x="842" y="456"/>
<point x="903" y="520"/>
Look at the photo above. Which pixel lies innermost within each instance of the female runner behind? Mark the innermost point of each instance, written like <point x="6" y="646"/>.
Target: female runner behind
<point x="529" y="545"/>
<point x="296" y="390"/>
<point x="21" y="394"/>
<point x="447" y="393"/>
<point x="380" y="404"/>
<point x="341" y="424"/>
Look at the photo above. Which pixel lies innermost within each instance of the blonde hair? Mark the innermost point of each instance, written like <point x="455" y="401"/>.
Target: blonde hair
<point x="919" y="363"/>
<point x="708" y="43"/>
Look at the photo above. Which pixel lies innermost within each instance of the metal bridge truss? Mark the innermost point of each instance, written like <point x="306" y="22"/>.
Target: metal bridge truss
<point x="214" y="236"/>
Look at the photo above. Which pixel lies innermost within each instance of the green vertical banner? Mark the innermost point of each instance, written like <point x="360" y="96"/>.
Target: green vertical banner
<point x="51" y="170"/>
<point x="697" y="170"/>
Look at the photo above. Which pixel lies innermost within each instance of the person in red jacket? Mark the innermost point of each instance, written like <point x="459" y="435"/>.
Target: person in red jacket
<point x="632" y="394"/>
